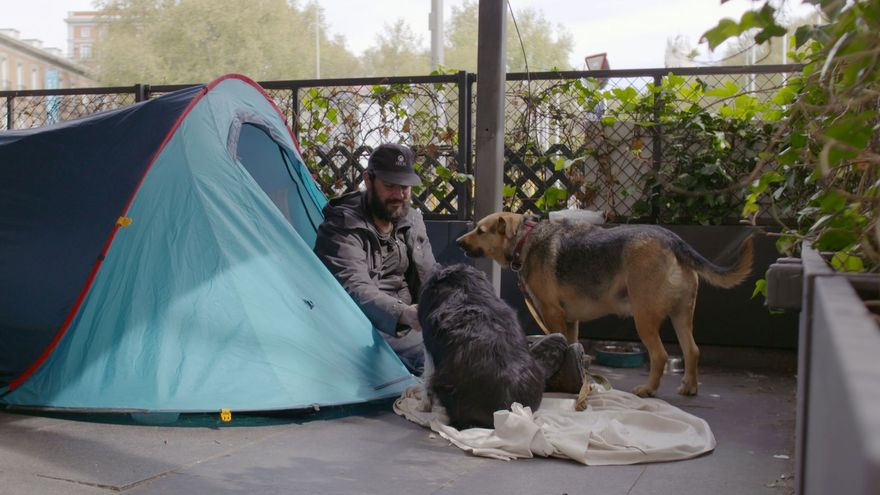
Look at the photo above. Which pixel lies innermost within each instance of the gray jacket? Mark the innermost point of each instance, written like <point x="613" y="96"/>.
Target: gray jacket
<point x="348" y="244"/>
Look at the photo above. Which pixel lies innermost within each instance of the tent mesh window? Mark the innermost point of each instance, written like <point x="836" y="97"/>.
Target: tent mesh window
<point x="272" y="167"/>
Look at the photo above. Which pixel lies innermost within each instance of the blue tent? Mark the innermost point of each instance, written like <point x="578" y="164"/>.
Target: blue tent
<point x="159" y="258"/>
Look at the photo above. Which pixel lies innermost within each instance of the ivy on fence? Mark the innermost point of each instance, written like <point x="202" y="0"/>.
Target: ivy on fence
<point x="680" y="151"/>
<point x="671" y="149"/>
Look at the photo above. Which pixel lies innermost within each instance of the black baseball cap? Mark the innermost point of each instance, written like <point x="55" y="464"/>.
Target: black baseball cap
<point x="393" y="163"/>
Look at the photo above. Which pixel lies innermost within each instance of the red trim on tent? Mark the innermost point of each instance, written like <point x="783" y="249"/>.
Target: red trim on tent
<point x="268" y="98"/>
<point x="17" y="381"/>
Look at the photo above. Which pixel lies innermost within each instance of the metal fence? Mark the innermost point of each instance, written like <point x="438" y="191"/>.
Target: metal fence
<point x="557" y="136"/>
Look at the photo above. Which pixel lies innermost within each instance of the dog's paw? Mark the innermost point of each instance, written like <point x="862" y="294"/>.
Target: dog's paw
<point x="440" y="414"/>
<point x="644" y="391"/>
<point x="687" y="388"/>
<point x="416" y="391"/>
<point x="426" y="403"/>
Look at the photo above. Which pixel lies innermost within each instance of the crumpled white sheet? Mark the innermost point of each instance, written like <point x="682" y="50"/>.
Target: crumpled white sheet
<point x="616" y="428"/>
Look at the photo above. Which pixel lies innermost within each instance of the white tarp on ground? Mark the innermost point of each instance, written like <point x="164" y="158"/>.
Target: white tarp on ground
<point x="616" y="428"/>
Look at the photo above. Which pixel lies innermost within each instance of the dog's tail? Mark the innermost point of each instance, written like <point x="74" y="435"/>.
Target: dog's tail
<point x="720" y="276"/>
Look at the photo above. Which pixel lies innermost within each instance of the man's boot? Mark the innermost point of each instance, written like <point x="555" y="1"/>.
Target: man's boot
<point x="563" y="364"/>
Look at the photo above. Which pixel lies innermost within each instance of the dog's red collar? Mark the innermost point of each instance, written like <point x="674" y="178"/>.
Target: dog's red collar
<point x="515" y="261"/>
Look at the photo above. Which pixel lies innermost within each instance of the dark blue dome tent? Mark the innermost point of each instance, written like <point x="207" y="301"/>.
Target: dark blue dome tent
<point x="159" y="257"/>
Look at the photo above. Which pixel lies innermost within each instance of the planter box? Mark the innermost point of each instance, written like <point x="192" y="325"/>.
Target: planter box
<point x="838" y="411"/>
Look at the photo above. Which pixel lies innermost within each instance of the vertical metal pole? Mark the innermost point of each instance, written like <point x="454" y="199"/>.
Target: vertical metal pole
<point x="491" y="74"/>
<point x="140" y="92"/>
<point x="657" y="140"/>
<point x="317" y="42"/>
<point x="435" y="24"/>
<point x="463" y="189"/>
<point x="753" y="59"/>
<point x="10" y="107"/>
<point x="294" y="112"/>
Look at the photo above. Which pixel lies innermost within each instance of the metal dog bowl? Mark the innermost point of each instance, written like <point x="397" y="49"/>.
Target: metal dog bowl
<point x="619" y="354"/>
<point x="674" y="365"/>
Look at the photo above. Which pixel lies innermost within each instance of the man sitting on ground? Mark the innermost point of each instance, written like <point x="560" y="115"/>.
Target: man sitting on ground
<point x="377" y="246"/>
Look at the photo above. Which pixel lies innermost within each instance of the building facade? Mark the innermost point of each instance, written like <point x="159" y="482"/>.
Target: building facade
<point x="83" y="31"/>
<point x="25" y="65"/>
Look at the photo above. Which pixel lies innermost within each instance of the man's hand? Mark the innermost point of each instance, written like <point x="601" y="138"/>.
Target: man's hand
<point x="410" y="317"/>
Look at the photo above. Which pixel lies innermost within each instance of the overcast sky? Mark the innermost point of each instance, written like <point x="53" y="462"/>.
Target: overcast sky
<point x="632" y="32"/>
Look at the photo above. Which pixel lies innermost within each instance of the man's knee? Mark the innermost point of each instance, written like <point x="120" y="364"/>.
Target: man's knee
<point x="414" y="359"/>
<point x="563" y="363"/>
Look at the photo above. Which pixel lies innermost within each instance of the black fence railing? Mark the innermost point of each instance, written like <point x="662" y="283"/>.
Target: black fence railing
<point x="558" y="137"/>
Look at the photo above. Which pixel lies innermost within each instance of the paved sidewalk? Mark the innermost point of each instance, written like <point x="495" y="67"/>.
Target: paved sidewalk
<point x="746" y="396"/>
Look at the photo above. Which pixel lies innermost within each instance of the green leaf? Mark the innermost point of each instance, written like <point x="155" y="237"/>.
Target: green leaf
<point x="625" y="95"/>
<point x="726" y="28"/>
<point x="719" y="141"/>
<point x="553" y="199"/>
<point x="443" y="172"/>
<point x="751" y="205"/>
<point x="770" y="31"/>
<point x="798" y="140"/>
<point x="773" y="115"/>
<point x="462" y="178"/>
<point x="332" y="115"/>
<point x="730" y="88"/>
<point x="508" y="191"/>
<point x="672" y="81"/>
<point x="832" y="202"/>
<point x="836" y="240"/>
<point x="784" y="96"/>
<point x="760" y="288"/>
<point x="844" y="262"/>
<point x="854" y="130"/>
<point x="788" y="157"/>
<point x="805" y="33"/>
<point x="786" y="244"/>
<point x="560" y="164"/>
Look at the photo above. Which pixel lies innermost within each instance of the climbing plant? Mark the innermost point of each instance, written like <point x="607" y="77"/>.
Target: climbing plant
<point x="828" y="139"/>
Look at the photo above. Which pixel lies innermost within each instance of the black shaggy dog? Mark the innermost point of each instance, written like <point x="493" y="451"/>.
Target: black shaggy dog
<point x="481" y="361"/>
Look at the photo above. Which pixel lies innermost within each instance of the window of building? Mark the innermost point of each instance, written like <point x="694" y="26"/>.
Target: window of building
<point x="85" y="32"/>
<point x="35" y="79"/>
<point x="4" y="74"/>
<point x="19" y="76"/>
<point x="85" y="51"/>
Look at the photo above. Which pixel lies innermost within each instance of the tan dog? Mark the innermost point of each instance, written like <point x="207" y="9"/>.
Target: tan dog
<point x="577" y="271"/>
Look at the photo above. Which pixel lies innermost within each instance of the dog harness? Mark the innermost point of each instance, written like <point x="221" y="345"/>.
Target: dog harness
<point x="515" y="261"/>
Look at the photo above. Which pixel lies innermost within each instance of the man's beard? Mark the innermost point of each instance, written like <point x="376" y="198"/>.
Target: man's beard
<point x="386" y="211"/>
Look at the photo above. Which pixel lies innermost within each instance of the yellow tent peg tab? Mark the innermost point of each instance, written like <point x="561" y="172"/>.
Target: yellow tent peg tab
<point x="123" y="221"/>
<point x="225" y="415"/>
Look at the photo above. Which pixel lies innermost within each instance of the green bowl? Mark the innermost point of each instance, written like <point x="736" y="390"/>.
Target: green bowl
<point x="620" y="354"/>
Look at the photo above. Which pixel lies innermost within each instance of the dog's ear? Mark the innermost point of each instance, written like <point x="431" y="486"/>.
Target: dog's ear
<point x="508" y="225"/>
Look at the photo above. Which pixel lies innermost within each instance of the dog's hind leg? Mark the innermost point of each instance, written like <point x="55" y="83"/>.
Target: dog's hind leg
<point x="572" y="333"/>
<point x="554" y="319"/>
<point x="683" y="322"/>
<point x="648" y="327"/>
<point x="426" y="401"/>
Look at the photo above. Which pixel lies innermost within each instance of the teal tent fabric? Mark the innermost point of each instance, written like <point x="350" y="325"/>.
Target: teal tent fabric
<point x="211" y="298"/>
